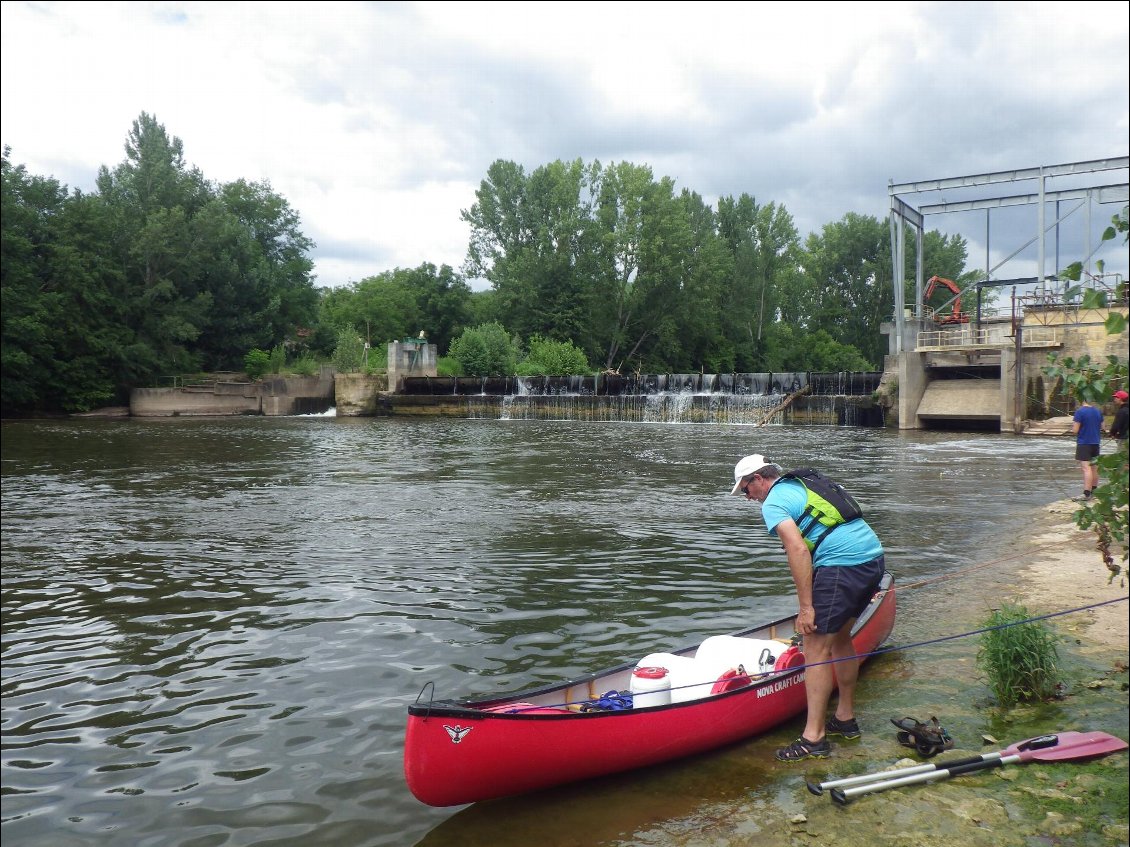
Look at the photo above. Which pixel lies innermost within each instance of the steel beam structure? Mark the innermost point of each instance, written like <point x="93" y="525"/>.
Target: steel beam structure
<point x="904" y="215"/>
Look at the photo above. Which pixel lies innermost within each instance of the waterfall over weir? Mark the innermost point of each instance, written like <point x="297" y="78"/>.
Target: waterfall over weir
<point x="746" y="398"/>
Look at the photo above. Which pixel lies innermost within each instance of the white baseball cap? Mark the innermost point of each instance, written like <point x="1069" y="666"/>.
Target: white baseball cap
<point x="748" y="465"/>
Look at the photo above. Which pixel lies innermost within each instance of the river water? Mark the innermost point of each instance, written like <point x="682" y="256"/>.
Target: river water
<point x="212" y="627"/>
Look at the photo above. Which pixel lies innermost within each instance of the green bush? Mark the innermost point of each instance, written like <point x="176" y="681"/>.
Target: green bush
<point x="306" y="365"/>
<point x="349" y="354"/>
<point x="554" y="358"/>
<point x="448" y="366"/>
<point x="256" y="363"/>
<point x="485" y="350"/>
<point x="1018" y="656"/>
<point x="528" y="368"/>
<point x="278" y="359"/>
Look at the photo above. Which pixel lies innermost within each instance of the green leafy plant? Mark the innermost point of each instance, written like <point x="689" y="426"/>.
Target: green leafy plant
<point x="554" y="358"/>
<point x="256" y="363"/>
<point x="447" y="366"/>
<point x="349" y="354"/>
<point x="1018" y="656"/>
<point x="306" y="365"/>
<point x="278" y="359"/>
<point x="485" y="350"/>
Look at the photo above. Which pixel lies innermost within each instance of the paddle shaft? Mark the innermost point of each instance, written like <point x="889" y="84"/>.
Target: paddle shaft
<point x="842" y="795"/>
<point x="865" y="778"/>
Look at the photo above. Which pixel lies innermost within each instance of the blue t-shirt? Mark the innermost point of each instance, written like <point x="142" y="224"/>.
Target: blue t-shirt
<point x="1090" y="420"/>
<point x="852" y="543"/>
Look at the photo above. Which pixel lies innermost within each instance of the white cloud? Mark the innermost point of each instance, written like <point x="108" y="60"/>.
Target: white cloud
<point x="377" y="121"/>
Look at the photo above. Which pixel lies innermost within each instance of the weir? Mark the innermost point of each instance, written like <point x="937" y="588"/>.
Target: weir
<point x="740" y="398"/>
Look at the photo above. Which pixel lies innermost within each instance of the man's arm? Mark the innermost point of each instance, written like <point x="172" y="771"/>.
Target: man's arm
<point x="800" y="564"/>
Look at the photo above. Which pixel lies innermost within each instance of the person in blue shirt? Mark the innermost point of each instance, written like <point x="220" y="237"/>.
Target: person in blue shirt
<point x="836" y="570"/>
<point x="1088" y="428"/>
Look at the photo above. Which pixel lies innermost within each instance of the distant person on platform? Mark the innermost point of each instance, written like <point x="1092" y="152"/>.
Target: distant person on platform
<point x="1121" y="420"/>
<point x="1088" y="428"/>
<point x="837" y="566"/>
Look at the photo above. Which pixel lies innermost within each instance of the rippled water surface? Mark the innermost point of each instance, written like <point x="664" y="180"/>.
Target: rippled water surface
<point x="212" y="628"/>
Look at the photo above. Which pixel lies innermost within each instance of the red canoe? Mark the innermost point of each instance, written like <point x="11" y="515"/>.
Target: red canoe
<point x="661" y="707"/>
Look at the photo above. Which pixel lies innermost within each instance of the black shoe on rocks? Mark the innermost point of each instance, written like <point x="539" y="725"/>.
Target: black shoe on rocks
<point x="848" y="729"/>
<point x="802" y="749"/>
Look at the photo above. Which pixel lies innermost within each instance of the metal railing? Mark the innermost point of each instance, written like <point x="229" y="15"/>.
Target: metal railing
<point x="991" y="336"/>
<point x="966" y="336"/>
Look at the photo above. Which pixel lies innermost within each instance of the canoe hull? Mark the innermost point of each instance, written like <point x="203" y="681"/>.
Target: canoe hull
<point x="456" y="752"/>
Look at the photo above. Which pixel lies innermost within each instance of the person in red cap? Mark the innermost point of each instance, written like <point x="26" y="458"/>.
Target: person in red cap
<point x="1118" y="426"/>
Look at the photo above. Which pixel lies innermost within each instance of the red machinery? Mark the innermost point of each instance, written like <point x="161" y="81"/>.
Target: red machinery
<point x="955" y="316"/>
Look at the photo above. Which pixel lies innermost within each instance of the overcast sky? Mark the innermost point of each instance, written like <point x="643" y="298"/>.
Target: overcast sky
<point x="378" y="121"/>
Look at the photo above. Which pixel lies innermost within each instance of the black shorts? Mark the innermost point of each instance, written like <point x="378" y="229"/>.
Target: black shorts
<point x="1086" y="452"/>
<point x="840" y="593"/>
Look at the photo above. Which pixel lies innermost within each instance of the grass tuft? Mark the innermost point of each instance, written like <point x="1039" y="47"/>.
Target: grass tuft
<point x="1018" y="657"/>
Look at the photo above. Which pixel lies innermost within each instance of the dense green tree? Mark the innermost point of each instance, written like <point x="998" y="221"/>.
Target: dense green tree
<point x="644" y="241"/>
<point x="158" y="272"/>
<point x="255" y="263"/>
<point x="61" y="341"/>
<point x="763" y="243"/>
<point x="529" y="238"/>
<point x="847" y="267"/>
<point x="483" y="308"/>
<point x="401" y="303"/>
<point x="208" y="272"/>
<point x="443" y="300"/>
<point x="792" y="349"/>
<point x="28" y="313"/>
<point x="150" y="197"/>
<point x="379" y="308"/>
<point x="695" y="338"/>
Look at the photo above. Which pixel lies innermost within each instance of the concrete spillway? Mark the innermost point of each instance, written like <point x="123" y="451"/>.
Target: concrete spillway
<point x="961" y="400"/>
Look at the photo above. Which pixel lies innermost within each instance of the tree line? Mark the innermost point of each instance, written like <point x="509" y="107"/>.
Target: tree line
<point x="161" y="272"/>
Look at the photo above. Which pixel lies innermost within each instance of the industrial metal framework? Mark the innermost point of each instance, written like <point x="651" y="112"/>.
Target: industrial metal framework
<point x="903" y="215"/>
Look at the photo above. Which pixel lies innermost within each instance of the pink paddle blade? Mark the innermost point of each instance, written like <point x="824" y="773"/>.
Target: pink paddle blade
<point x="1071" y="745"/>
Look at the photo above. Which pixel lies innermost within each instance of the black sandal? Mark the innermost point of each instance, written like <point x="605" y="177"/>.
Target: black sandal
<point x="929" y="739"/>
<point x="802" y="749"/>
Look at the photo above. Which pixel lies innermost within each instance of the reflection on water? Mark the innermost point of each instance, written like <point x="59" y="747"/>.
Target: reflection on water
<point x="212" y="628"/>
